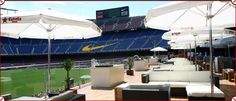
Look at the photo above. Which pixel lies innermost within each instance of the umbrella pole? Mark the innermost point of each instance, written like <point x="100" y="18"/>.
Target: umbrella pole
<point x="49" y="61"/>
<point x="228" y="50"/>
<point x="195" y="50"/>
<point x="209" y="18"/>
<point x="184" y="53"/>
<point x="154" y="54"/>
<point x="190" y="52"/>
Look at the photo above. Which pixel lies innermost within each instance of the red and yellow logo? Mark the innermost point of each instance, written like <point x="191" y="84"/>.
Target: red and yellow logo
<point x="11" y="19"/>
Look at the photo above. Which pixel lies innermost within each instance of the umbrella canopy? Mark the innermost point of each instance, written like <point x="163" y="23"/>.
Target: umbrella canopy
<point x="183" y="37"/>
<point x="37" y="24"/>
<point x="47" y="24"/>
<point x="185" y="44"/>
<point x="188" y="35"/>
<point x="191" y="15"/>
<point x="224" y="42"/>
<point x="158" y="49"/>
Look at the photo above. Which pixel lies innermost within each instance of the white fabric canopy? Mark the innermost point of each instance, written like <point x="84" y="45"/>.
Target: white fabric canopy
<point x="190" y="15"/>
<point x="158" y="49"/>
<point x="36" y="24"/>
<point x="185" y="35"/>
<point x="228" y="41"/>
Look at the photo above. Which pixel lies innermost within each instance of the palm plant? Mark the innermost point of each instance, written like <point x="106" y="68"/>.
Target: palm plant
<point x="130" y="62"/>
<point x="68" y="65"/>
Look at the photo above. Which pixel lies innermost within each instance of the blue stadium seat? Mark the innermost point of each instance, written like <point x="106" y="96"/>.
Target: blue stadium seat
<point x="117" y="41"/>
<point x="14" y="48"/>
<point x="25" y="49"/>
<point x="138" y="43"/>
<point x="39" y="49"/>
<point x="8" y="49"/>
<point x="54" y="48"/>
<point x="62" y="48"/>
<point x="3" y="51"/>
<point x="110" y="48"/>
<point x="74" y="48"/>
<point x="123" y="45"/>
<point x="97" y="44"/>
<point x="23" y="41"/>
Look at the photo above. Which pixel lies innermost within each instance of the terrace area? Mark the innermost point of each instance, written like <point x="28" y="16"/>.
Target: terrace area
<point x="226" y="86"/>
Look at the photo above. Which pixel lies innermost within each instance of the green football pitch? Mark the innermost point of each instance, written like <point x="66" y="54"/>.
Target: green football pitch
<point x="28" y="82"/>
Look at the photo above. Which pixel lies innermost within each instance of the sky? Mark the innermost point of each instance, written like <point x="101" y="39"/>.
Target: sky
<point x="85" y="9"/>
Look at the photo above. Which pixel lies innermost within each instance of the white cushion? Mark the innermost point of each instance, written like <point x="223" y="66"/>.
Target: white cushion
<point x="158" y="83"/>
<point x="180" y="76"/>
<point x="158" y="76"/>
<point x="179" y="84"/>
<point x="199" y="83"/>
<point x="203" y="91"/>
<point x="144" y="86"/>
<point x="166" y="65"/>
<point x="184" y="68"/>
<point x="199" y="76"/>
<point x="161" y="69"/>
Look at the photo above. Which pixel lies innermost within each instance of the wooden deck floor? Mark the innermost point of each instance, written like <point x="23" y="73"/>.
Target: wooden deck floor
<point x="96" y="94"/>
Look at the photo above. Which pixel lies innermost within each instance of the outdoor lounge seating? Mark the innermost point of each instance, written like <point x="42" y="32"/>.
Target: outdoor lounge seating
<point x="65" y="96"/>
<point x="178" y="80"/>
<point x="175" y="68"/>
<point x="143" y="92"/>
<point x="69" y="96"/>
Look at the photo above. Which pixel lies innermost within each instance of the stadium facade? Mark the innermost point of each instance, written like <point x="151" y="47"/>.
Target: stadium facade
<point x="121" y="37"/>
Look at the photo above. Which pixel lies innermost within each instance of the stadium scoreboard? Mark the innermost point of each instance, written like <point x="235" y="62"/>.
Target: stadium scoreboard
<point x="113" y="13"/>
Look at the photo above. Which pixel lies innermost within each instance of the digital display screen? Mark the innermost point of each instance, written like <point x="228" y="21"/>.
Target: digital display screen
<point x="113" y="13"/>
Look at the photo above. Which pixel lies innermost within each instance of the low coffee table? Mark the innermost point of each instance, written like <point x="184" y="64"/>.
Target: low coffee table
<point x="146" y="92"/>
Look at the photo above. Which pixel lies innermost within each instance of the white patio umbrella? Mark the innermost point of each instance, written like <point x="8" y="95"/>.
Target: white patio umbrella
<point x="192" y="15"/>
<point x="228" y="41"/>
<point x="158" y="49"/>
<point x="47" y="24"/>
<point x="188" y="35"/>
<point x="191" y="36"/>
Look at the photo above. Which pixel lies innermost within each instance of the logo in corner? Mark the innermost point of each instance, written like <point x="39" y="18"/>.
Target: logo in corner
<point x="11" y="20"/>
<point x="2" y="2"/>
<point x="4" y="20"/>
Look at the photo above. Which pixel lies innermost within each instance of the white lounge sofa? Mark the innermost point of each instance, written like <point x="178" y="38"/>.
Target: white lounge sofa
<point x="178" y="80"/>
<point x="175" y="68"/>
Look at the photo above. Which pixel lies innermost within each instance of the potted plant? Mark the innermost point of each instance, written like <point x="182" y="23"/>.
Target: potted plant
<point x="130" y="65"/>
<point x="67" y="65"/>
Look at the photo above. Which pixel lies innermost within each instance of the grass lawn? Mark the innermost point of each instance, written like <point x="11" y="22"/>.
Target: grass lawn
<point x="26" y="82"/>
